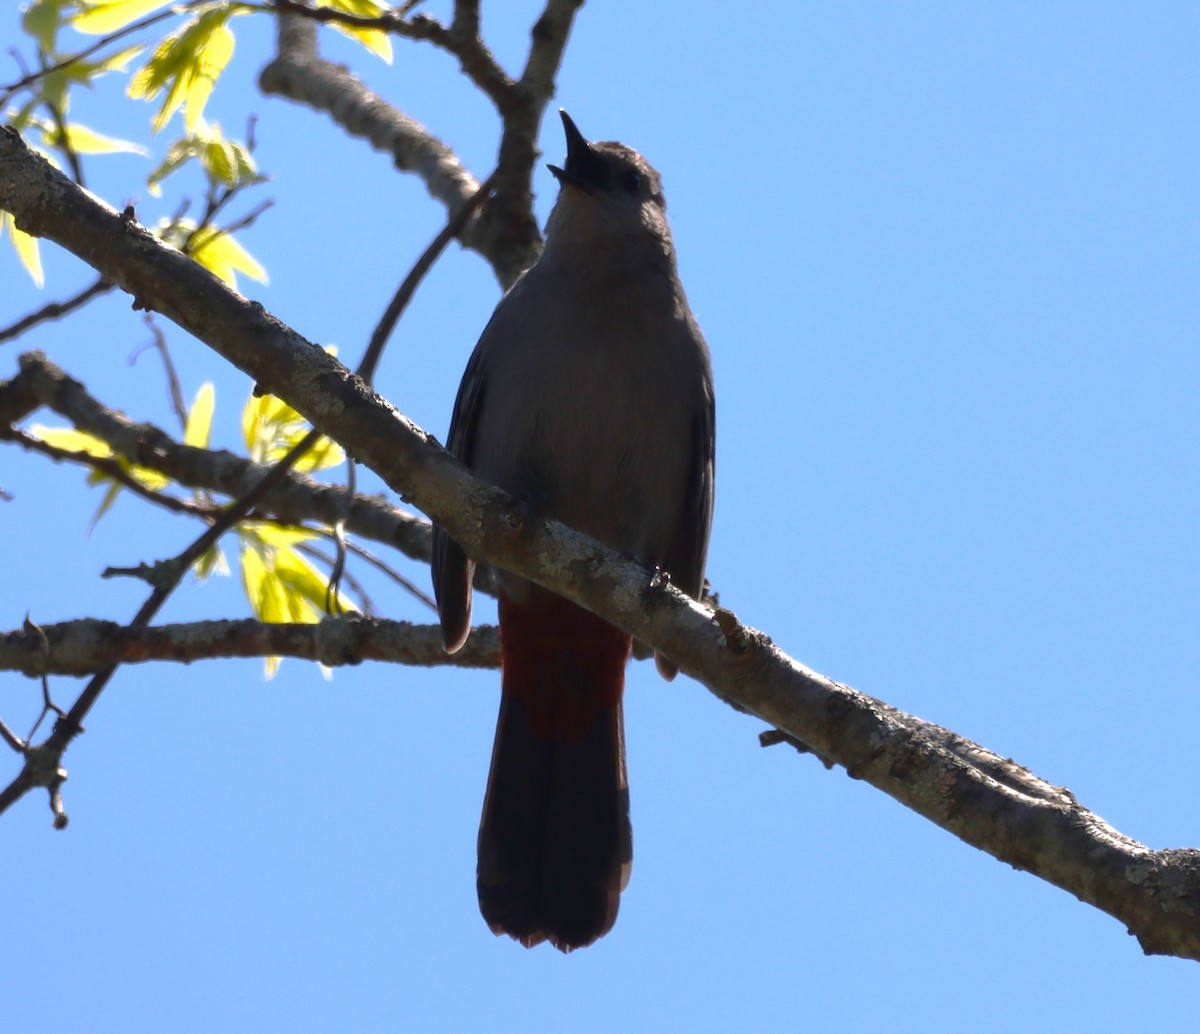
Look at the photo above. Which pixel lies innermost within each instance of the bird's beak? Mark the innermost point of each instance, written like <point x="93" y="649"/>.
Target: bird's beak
<point x="582" y="167"/>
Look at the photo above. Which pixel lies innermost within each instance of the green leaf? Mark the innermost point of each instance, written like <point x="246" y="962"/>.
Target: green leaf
<point x="40" y="20"/>
<point x="220" y="254"/>
<point x="271" y="428"/>
<point x="23" y="116"/>
<point x="280" y="584"/>
<point x="300" y="590"/>
<point x="55" y="90"/>
<point x="70" y="440"/>
<point x="199" y="419"/>
<point x="152" y="479"/>
<point x="220" y="161"/>
<point x="211" y="58"/>
<point x="179" y="153"/>
<point x="299" y="575"/>
<point x="99" y="17"/>
<point x="185" y="65"/>
<point x="212" y="561"/>
<point x="114" y="63"/>
<point x="246" y="169"/>
<point x="225" y="162"/>
<point x="110" y="497"/>
<point x="214" y="249"/>
<point x="304" y="588"/>
<point x="326" y="453"/>
<point x="375" y="40"/>
<point x="277" y="536"/>
<point x="26" y="248"/>
<point x="82" y="140"/>
<point x="262" y="590"/>
<point x="258" y="415"/>
<point x="56" y="85"/>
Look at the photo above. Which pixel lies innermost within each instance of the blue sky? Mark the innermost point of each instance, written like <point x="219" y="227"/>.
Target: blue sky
<point x="946" y="259"/>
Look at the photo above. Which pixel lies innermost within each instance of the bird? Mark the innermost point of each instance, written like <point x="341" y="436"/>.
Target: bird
<point x="589" y="397"/>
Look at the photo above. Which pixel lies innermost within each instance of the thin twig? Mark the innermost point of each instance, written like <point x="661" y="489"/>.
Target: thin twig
<point x="250" y="217"/>
<point x="331" y="593"/>
<point x="391" y="315"/>
<point x="460" y="39"/>
<point x="409" y="586"/>
<point x="213" y="207"/>
<point x="106" y="465"/>
<point x="158" y="341"/>
<point x="11" y="738"/>
<point x="56" y="310"/>
<point x="63" y="142"/>
<point x="128" y="30"/>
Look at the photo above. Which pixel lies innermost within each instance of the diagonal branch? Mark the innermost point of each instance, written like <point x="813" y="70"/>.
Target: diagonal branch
<point x="300" y="74"/>
<point x="505" y="233"/>
<point x="983" y="799"/>
<point x="56" y="310"/>
<point x="105" y="465"/>
<point x="298" y="500"/>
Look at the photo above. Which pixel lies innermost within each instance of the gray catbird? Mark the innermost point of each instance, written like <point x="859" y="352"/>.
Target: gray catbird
<point x="590" y="397"/>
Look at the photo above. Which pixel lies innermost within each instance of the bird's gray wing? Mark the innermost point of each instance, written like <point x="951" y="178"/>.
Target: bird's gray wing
<point x="688" y="551"/>
<point x="452" y="568"/>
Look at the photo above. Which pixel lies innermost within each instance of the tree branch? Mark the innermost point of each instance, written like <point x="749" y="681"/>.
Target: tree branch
<point x="86" y="646"/>
<point x="460" y="39"/>
<point x="985" y="800"/>
<point x="55" y="310"/>
<point x="300" y="74"/>
<point x="105" y="465"/>
<point x="505" y="233"/>
<point x="512" y="215"/>
<point x="298" y="501"/>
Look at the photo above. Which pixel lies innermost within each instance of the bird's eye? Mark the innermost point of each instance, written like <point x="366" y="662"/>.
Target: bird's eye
<point x="631" y="180"/>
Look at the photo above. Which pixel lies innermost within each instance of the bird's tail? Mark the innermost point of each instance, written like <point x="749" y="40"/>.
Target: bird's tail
<point x="555" y="844"/>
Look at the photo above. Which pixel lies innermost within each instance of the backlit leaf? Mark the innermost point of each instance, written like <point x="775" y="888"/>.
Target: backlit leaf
<point x="26" y="248"/>
<point x="185" y="66"/>
<point x="199" y="418"/>
<point x="212" y="561"/>
<point x="40" y="20"/>
<point x="100" y="17"/>
<point x="223" y="256"/>
<point x="82" y="140"/>
<point x="375" y="40"/>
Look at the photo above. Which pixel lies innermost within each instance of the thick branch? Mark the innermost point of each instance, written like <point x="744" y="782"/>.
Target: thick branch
<point x="511" y="215"/>
<point x="990" y="803"/>
<point x="87" y="646"/>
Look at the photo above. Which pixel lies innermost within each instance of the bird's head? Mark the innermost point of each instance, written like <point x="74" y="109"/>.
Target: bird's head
<point x="608" y="193"/>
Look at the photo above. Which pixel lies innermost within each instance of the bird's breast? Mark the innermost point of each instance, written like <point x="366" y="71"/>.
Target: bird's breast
<point x="590" y="419"/>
